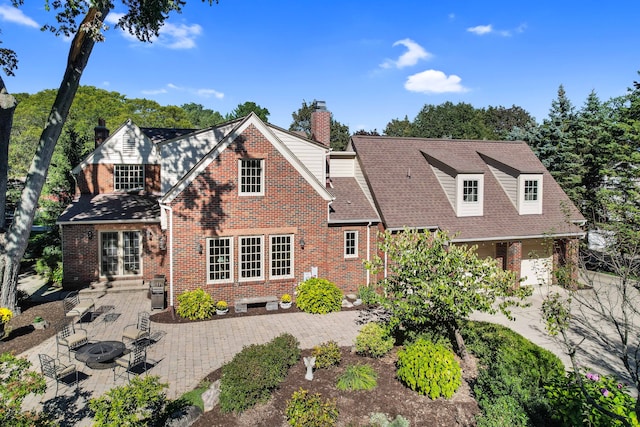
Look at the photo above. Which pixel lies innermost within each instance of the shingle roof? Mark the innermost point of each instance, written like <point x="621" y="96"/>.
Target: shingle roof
<point x="157" y="135"/>
<point x="407" y="192"/>
<point x="113" y="208"/>
<point x="350" y="203"/>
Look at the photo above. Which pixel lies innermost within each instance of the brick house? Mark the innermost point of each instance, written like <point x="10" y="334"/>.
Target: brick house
<point x="249" y="209"/>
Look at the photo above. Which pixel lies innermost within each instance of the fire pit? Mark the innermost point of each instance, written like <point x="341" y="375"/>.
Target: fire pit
<point x="100" y="355"/>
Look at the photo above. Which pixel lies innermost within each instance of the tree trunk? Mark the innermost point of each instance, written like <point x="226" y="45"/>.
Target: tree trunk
<point x="7" y="108"/>
<point x="458" y="342"/>
<point x="17" y="235"/>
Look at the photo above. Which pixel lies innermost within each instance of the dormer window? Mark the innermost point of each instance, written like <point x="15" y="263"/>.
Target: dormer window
<point x="469" y="194"/>
<point x="530" y="194"/>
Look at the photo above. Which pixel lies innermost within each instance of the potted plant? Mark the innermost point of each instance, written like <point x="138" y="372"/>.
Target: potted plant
<point x="40" y="323"/>
<point x="5" y="316"/>
<point x="285" y="301"/>
<point x="222" y="307"/>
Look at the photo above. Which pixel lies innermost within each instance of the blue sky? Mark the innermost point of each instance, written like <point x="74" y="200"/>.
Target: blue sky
<point x="370" y="61"/>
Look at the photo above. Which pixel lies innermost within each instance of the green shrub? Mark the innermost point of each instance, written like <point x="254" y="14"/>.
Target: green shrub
<point x="196" y="305"/>
<point x="380" y="420"/>
<point x="139" y="403"/>
<point x="194" y="397"/>
<point x="318" y="296"/>
<point x="358" y="377"/>
<point x="17" y="381"/>
<point x="512" y="366"/>
<point x="327" y="354"/>
<point x="430" y="369"/>
<point x="571" y="407"/>
<point x="368" y="294"/>
<point x="308" y="410"/>
<point x="254" y="372"/>
<point x="49" y="265"/>
<point x="373" y="340"/>
<point x="505" y="411"/>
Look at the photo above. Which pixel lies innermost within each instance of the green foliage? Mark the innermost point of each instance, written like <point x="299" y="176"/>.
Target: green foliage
<point x="16" y="382"/>
<point x="247" y="108"/>
<point x="318" y="296"/>
<point x="380" y="420"/>
<point x="254" y="372"/>
<point x="434" y="284"/>
<point x="308" y="410"/>
<point x="368" y="294"/>
<point x="327" y="354"/>
<point x="194" y="397"/>
<point x="302" y="123"/>
<point x="504" y="411"/>
<point x="196" y="305"/>
<point x="139" y="403"/>
<point x="373" y="340"/>
<point x="571" y="406"/>
<point x="556" y="313"/>
<point x="358" y="377"/>
<point x="430" y="369"/>
<point x="49" y="265"/>
<point x="511" y="366"/>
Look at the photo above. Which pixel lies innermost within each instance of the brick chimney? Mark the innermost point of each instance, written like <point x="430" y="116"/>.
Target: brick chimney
<point x="101" y="132"/>
<point x="321" y="123"/>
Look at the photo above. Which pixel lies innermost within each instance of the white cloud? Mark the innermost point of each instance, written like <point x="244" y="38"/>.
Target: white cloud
<point x="433" y="81"/>
<point x="15" y="15"/>
<point x="171" y="36"/>
<point x="481" y="29"/>
<point x="414" y="53"/>
<point x="204" y="93"/>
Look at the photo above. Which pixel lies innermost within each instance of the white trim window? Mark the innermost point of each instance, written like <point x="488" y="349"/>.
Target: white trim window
<point x="251" y="177"/>
<point x="220" y="260"/>
<point x="470" y="191"/>
<point x="251" y="262"/>
<point x="281" y="256"/>
<point x="120" y="253"/>
<point x="128" y="177"/>
<point x="350" y="244"/>
<point x="531" y="190"/>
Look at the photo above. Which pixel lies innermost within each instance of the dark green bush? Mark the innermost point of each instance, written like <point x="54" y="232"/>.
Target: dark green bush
<point x="49" y="265"/>
<point x="430" y="369"/>
<point x="254" y="372"/>
<point x="318" y="296"/>
<point x="196" y="305"/>
<point x="308" y="410"/>
<point x="505" y="411"/>
<point x="358" y="377"/>
<point x="327" y="354"/>
<point x="373" y="340"/>
<point x="511" y="366"/>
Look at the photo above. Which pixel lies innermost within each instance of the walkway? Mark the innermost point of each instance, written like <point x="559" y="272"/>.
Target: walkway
<point x="182" y="354"/>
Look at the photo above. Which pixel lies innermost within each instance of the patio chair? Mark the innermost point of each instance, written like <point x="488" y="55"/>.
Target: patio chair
<point x="138" y="331"/>
<point x="137" y="356"/>
<point x="74" y="306"/>
<point x="59" y="372"/>
<point x="70" y="337"/>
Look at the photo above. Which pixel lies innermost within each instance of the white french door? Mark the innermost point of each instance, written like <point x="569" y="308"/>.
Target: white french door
<point x="120" y="253"/>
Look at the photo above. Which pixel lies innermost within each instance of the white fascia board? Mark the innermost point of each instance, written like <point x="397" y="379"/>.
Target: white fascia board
<point x="107" y="143"/>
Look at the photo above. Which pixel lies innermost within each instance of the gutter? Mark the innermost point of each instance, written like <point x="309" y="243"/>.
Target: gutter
<point x="170" y="210"/>
<point x="369" y="250"/>
<point x="540" y="236"/>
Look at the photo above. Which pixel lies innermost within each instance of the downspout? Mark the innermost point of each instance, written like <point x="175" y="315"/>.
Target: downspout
<point x="170" y="209"/>
<point x="369" y="251"/>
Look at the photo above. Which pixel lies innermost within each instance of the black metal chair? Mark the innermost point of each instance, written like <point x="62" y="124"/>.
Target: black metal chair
<point x="137" y="356"/>
<point x="57" y="371"/>
<point x="70" y="337"/>
<point x="138" y="331"/>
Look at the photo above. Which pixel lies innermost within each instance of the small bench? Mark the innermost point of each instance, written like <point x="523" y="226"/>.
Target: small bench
<point x="242" y="303"/>
<point x="74" y="306"/>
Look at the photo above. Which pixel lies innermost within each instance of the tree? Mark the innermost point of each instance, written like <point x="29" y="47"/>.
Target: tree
<point x="201" y="117"/>
<point x="339" y="133"/>
<point x="247" y="108"/>
<point x="452" y="121"/>
<point x="142" y="19"/>
<point x="501" y="121"/>
<point x="435" y="285"/>
<point x="400" y="128"/>
<point x="17" y="381"/>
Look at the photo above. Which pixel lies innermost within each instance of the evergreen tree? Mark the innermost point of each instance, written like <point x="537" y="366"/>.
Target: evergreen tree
<point x="339" y="134"/>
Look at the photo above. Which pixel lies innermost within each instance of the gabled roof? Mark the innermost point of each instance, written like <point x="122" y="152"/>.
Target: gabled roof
<point x="407" y="192"/>
<point x="111" y="208"/>
<point x="157" y="135"/>
<point x="251" y="119"/>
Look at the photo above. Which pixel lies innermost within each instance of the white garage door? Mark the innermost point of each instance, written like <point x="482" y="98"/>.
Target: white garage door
<point x="536" y="265"/>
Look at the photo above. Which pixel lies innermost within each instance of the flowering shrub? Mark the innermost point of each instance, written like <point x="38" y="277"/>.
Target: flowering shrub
<point x="573" y="408"/>
<point x="222" y="305"/>
<point x="5" y="315"/>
